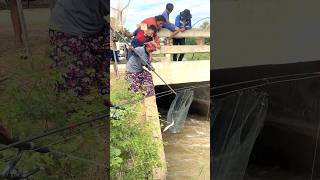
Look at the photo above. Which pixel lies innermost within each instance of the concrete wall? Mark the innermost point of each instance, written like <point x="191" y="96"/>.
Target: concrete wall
<point x="257" y="32"/>
<point x="177" y="72"/>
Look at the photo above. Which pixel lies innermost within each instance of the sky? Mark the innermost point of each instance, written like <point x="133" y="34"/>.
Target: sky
<point x="141" y="9"/>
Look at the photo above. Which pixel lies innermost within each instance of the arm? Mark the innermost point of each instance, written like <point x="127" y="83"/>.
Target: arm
<point x="188" y="26"/>
<point x="177" y="22"/>
<point x="140" y="36"/>
<point x="127" y="34"/>
<point x="138" y="40"/>
<point x="156" y="40"/>
<point x="173" y="34"/>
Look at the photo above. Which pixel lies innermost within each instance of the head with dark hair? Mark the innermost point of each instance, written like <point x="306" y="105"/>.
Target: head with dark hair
<point x="160" y="18"/>
<point x="185" y="14"/>
<point x="169" y="7"/>
<point x="151" y="30"/>
<point x="160" y="21"/>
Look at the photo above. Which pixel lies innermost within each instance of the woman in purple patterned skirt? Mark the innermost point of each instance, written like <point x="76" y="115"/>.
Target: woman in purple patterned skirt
<point x="139" y="78"/>
<point x="79" y="38"/>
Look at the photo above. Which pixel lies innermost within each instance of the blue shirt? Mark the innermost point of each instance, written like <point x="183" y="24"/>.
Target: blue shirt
<point x="168" y="25"/>
<point x="179" y="23"/>
<point x="165" y="14"/>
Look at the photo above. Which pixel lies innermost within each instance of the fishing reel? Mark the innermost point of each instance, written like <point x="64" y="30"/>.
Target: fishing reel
<point x="11" y="172"/>
<point x="114" y="116"/>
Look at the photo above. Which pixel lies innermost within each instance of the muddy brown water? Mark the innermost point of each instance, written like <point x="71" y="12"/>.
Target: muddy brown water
<point x="188" y="152"/>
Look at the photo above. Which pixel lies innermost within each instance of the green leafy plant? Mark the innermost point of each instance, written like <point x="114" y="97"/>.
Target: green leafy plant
<point x="133" y="152"/>
<point x="29" y="105"/>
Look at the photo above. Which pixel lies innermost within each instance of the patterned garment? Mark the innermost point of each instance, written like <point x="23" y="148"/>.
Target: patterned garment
<point x="81" y="62"/>
<point x="141" y="81"/>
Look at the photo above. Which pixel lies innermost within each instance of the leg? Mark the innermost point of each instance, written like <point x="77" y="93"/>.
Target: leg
<point x="175" y="42"/>
<point x="147" y="84"/>
<point x="134" y="82"/>
<point x="182" y="42"/>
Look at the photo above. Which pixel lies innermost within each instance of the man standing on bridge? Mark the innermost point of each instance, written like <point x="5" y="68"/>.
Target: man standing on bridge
<point x="183" y="21"/>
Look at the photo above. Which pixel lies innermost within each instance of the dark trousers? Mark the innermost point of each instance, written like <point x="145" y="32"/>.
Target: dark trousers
<point x="117" y="56"/>
<point x="178" y="41"/>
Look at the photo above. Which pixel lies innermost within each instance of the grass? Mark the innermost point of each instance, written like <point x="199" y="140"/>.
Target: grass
<point x="197" y="56"/>
<point x="134" y="154"/>
<point x="29" y="106"/>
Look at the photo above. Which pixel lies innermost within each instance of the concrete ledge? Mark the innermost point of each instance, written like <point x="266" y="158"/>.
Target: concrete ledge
<point x="174" y="49"/>
<point x="182" y="72"/>
<point x="188" y="33"/>
<point x="177" y="72"/>
<point x="152" y="117"/>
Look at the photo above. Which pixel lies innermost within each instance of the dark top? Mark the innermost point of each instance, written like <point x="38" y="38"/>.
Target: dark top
<point x="79" y="17"/>
<point x="135" y="63"/>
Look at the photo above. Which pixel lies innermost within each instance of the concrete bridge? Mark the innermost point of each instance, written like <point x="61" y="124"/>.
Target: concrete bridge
<point x="177" y="72"/>
<point x="173" y="73"/>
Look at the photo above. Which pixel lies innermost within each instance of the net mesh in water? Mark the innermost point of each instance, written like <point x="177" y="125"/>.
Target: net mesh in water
<point x="178" y="110"/>
<point x="236" y="122"/>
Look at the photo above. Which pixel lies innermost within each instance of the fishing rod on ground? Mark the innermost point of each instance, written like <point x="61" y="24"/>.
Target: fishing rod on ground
<point x="54" y="131"/>
<point x="12" y="172"/>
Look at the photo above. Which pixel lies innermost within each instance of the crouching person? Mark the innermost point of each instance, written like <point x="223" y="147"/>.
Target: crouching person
<point x="139" y="78"/>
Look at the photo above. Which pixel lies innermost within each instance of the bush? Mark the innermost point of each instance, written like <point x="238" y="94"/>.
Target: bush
<point x="29" y="106"/>
<point x="133" y="152"/>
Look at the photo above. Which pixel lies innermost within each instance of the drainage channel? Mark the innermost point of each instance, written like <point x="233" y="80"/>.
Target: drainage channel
<point x="188" y="152"/>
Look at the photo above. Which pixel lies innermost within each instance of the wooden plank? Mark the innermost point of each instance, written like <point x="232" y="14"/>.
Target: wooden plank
<point x="188" y="33"/>
<point x="183" y="49"/>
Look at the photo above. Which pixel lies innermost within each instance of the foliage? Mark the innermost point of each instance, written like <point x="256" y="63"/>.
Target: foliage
<point x="197" y="56"/>
<point x="133" y="153"/>
<point x="29" y="106"/>
<point x="205" y="25"/>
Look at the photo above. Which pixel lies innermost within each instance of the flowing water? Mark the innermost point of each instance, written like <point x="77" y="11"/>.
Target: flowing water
<point x="188" y="153"/>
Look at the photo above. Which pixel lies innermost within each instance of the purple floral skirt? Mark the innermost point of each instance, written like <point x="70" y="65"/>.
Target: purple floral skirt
<point x="81" y="62"/>
<point x="141" y="81"/>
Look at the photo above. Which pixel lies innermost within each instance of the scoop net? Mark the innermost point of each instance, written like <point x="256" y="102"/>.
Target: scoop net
<point x="236" y="122"/>
<point x="178" y="111"/>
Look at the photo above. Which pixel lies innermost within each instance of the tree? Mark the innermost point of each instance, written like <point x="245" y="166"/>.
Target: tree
<point x="205" y="25"/>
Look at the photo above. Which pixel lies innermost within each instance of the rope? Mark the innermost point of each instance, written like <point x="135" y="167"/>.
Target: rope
<point x="52" y="132"/>
<point x="78" y="158"/>
<point x="264" y="79"/>
<point x="264" y="84"/>
<point x="200" y="20"/>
